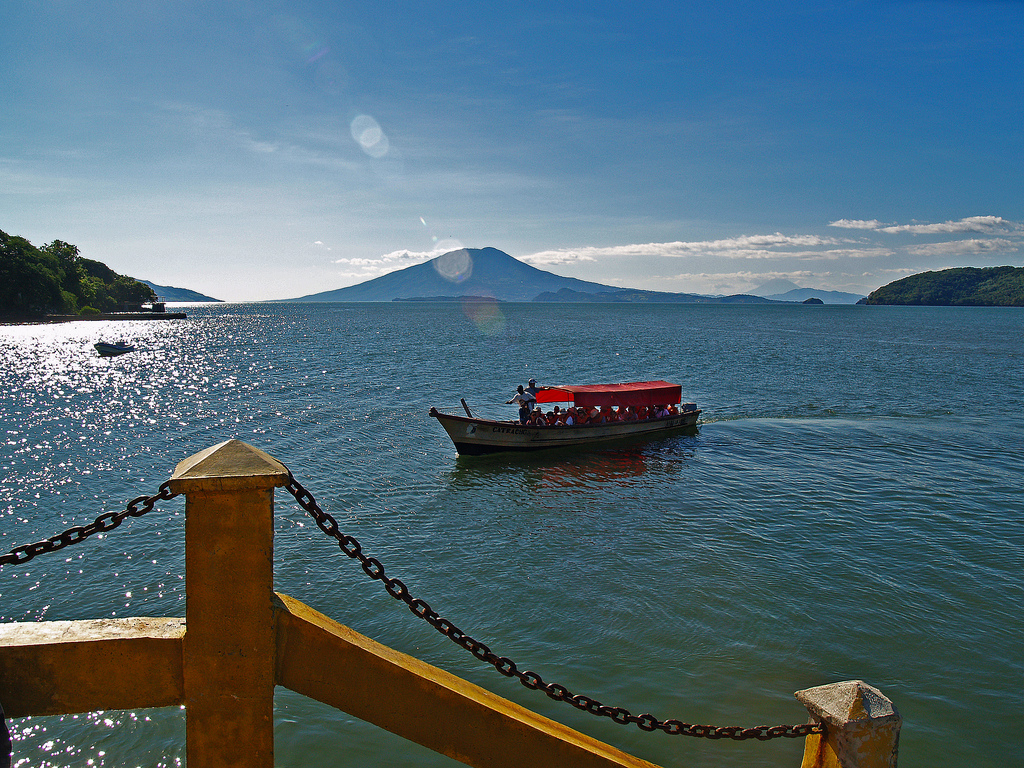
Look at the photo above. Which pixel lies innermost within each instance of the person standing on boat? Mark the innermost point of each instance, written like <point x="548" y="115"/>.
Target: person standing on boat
<point x="532" y="389"/>
<point x="529" y="394"/>
<point x="526" y="403"/>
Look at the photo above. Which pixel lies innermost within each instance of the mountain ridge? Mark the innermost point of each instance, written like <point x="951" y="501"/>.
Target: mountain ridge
<point x="169" y="293"/>
<point x="468" y="271"/>
<point x="780" y="289"/>
<point x="827" y="297"/>
<point x="489" y="272"/>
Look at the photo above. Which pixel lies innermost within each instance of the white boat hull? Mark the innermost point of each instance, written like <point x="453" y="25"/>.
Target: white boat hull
<point x="475" y="437"/>
<point x="113" y="350"/>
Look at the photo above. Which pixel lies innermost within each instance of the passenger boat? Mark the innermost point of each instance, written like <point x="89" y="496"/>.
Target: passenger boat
<point x="474" y="436"/>
<point x="112" y="350"/>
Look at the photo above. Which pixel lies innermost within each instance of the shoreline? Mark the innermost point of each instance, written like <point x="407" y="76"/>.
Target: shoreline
<point x="47" y="319"/>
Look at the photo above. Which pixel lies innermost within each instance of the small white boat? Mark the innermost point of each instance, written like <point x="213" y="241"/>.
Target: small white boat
<point x="474" y="436"/>
<point x="112" y="350"/>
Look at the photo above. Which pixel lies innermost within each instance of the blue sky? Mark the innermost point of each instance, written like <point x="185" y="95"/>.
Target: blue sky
<point x="257" y="150"/>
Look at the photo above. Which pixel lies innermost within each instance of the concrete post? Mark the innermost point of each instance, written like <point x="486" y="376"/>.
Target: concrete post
<point x="229" y="645"/>
<point x="863" y="726"/>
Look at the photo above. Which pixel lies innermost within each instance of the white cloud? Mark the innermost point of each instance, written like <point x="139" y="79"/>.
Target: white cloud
<point x="744" y="247"/>
<point x="857" y="224"/>
<point x="867" y="252"/>
<point x="965" y="247"/>
<point x="557" y="257"/>
<point x="978" y="224"/>
<point x="777" y="240"/>
<point x="981" y="224"/>
<point x="394" y="261"/>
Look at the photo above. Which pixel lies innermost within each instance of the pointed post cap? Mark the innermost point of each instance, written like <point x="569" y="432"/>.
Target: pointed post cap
<point x="840" y="704"/>
<point x="229" y="466"/>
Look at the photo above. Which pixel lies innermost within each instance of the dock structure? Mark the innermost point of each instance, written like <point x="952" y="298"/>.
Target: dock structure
<point x="145" y="315"/>
<point x="239" y="639"/>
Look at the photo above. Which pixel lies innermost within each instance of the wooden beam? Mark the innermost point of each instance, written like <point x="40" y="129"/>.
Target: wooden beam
<point x="329" y="662"/>
<point x="63" y="667"/>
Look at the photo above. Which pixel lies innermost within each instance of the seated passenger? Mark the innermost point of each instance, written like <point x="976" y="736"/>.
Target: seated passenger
<point x="673" y="411"/>
<point x="630" y="414"/>
<point x="643" y="413"/>
<point x="660" y="411"/>
<point x="582" y="416"/>
<point x="537" y="418"/>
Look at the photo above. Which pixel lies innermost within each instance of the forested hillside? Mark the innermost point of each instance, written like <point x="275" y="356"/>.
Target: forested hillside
<point x="54" y="279"/>
<point x="963" y="286"/>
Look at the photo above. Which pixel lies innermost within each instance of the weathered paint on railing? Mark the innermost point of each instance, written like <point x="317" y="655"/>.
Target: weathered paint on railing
<point x="228" y="651"/>
<point x="327" y="661"/>
<point x="863" y="727"/>
<point x="242" y="639"/>
<point x="65" y="667"/>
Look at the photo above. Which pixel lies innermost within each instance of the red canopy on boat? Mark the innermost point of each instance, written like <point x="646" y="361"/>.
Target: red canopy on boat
<point x="635" y="393"/>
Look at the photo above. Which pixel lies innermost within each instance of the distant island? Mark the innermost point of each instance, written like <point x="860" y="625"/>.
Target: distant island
<point x="169" y="293"/>
<point x="959" y="287"/>
<point x="55" y="279"/>
<point x="781" y="289"/>
<point x="461" y="299"/>
<point x="636" y="296"/>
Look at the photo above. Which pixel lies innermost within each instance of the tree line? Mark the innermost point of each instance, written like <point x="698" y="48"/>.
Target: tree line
<point x="959" y="287"/>
<point x="55" y="279"/>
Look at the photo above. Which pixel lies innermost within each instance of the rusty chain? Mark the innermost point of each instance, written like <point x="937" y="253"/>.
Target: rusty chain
<point x="397" y="589"/>
<point x="505" y="666"/>
<point x="108" y="521"/>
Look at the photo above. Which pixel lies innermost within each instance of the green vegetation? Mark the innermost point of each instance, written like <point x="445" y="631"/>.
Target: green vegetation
<point x="54" y="279"/>
<point x="961" y="287"/>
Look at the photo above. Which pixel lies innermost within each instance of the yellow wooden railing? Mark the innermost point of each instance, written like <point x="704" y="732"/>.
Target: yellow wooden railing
<point x="240" y="639"/>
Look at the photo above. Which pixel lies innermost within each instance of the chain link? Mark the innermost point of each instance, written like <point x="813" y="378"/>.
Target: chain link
<point x="505" y="666"/>
<point x="108" y="521"/>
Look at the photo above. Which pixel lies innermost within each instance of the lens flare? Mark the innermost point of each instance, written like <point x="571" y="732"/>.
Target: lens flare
<point x="486" y="315"/>
<point x="455" y="266"/>
<point x="370" y="137"/>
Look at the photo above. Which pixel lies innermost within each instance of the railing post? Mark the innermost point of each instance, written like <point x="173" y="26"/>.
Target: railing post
<point x="228" y="650"/>
<point x="863" y="726"/>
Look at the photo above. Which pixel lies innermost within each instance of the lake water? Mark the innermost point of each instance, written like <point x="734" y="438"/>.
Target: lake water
<point x="850" y="509"/>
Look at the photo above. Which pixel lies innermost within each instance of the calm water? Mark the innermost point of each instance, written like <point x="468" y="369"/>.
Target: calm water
<point x="849" y="509"/>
